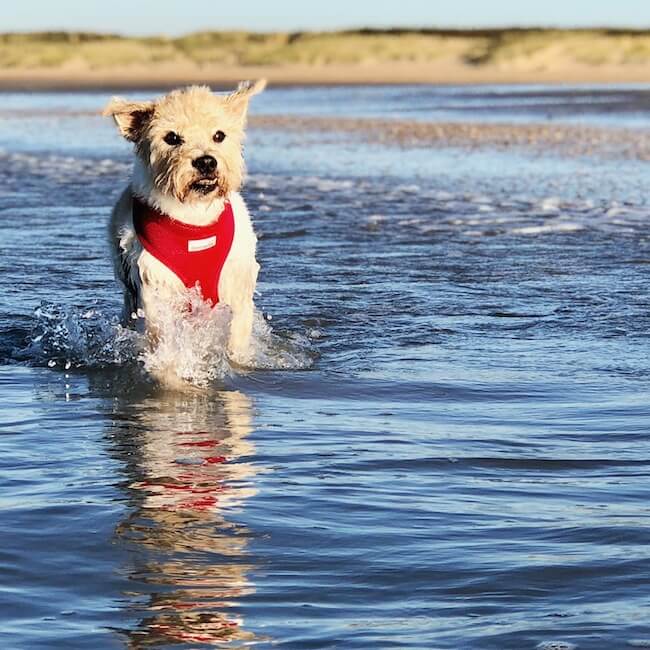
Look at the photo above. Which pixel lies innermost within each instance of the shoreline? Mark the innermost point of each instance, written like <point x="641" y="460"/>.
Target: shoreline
<point x="163" y="77"/>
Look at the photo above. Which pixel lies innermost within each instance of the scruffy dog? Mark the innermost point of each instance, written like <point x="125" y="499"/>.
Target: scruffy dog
<point x="181" y="223"/>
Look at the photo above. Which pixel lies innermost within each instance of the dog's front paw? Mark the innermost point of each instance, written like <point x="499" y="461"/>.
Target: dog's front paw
<point x="240" y="350"/>
<point x="242" y="357"/>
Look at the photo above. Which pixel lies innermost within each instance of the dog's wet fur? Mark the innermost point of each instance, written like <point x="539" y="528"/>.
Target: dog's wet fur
<point x="188" y="163"/>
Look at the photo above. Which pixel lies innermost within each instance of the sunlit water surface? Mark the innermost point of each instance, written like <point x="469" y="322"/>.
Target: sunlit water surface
<point x="447" y="441"/>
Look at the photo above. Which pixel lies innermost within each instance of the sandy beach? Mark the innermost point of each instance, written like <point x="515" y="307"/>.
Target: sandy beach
<point x="79" y="76"/>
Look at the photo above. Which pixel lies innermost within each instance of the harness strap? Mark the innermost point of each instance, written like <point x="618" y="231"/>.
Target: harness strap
<point x="196" y="254"/>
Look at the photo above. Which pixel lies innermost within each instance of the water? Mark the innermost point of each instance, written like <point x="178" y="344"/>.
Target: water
<point x="447" y="445"/>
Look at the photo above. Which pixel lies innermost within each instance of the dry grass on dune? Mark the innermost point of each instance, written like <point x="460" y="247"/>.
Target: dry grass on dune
<point x="590" y="47"/>
<point x="535" y="49"/>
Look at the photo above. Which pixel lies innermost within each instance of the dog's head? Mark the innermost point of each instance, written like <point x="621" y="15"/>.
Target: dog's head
<point x="190" y="140"/>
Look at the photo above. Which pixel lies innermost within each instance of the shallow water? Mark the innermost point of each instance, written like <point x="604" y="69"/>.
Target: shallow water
<point x="452" y="452"/>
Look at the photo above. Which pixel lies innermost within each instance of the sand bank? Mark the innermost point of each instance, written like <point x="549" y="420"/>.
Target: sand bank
<point x="575" y="140"/>
<point x="76" y="76"/>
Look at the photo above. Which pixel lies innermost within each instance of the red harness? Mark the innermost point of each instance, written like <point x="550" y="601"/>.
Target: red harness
<point x="196" y="254"/>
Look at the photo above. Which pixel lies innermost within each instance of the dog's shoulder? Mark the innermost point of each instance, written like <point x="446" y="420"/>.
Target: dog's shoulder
<point x="121" y="216"/>
<point x="239" y="207"/>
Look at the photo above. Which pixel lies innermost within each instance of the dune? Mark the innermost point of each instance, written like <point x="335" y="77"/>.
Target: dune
<point x="64" y="60"/>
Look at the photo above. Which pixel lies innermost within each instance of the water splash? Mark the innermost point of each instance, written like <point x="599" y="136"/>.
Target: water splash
<point x="190" y="345"/>
<point x="286" y="351"/>
<point x="193" y="346"/>
<point x="190" y="348"/>
<point x="79" y="337"/>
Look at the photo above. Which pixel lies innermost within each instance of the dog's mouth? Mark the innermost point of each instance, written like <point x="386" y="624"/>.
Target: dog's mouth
<point x="204" y="185"/>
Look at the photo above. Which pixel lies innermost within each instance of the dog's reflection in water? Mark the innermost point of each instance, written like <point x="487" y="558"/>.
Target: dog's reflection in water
<point x="185" y="460"/>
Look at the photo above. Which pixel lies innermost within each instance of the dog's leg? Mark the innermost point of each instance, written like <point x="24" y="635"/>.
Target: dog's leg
<point x="161" y="295"/>
<point x="237" y="292"/>
<point x="125" y="250"/>
<point x="237" y="283"/>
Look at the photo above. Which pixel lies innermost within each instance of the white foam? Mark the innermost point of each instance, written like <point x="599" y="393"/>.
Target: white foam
<point x="190" y="348"/>
<point x="61" y="168"/>
<point x="191" y="345"/>
<point x="544" y="228"/>
<point x="550" y="204"/>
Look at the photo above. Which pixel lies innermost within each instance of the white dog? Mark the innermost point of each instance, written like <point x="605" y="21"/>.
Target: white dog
<point x="181" y="223"/>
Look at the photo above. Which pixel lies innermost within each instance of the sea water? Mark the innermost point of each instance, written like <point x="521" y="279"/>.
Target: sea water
<point x="444" y="441"/>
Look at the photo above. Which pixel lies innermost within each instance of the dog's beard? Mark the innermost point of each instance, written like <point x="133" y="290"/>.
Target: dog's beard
<point x="191" y="187"/>
<point x="203" y="188"/>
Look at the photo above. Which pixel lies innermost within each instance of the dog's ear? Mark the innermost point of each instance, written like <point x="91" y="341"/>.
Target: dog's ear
<point x="237" y="102"/>
<point x="131" y="117"/>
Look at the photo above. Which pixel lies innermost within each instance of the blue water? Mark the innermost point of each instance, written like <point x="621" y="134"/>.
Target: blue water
<point x="453" y="450"/>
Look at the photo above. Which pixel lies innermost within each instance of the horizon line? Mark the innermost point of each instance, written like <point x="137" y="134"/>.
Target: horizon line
<point x="433" y="30"/>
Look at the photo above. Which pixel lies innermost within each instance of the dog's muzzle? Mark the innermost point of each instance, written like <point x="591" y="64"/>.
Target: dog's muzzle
<point x="207" y="168"/>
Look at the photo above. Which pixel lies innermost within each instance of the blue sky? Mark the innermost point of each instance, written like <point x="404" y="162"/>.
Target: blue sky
<point x="173" y="17"/>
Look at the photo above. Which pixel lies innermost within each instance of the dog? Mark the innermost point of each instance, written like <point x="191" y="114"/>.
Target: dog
<point x="181" y="224"/>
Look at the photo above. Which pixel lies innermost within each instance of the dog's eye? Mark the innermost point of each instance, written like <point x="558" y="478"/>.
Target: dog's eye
<point x="173" y="139"/>
<point x="219" y="136"/>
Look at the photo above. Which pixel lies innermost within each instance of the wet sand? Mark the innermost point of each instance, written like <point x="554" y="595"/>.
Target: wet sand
<point x="570" y="139"/>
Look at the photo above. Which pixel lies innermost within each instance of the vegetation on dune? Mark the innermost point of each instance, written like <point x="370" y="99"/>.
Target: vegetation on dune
<point x="534" y="47"/>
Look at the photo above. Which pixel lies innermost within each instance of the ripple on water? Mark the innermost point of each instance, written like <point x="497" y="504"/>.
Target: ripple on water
<point x="466" y="466"/>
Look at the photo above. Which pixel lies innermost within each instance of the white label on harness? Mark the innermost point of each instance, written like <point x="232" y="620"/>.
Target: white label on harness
<point x="194" y="245"/>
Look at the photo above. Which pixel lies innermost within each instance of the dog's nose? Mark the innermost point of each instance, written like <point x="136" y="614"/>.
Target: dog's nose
<point x="205" y="164"/>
